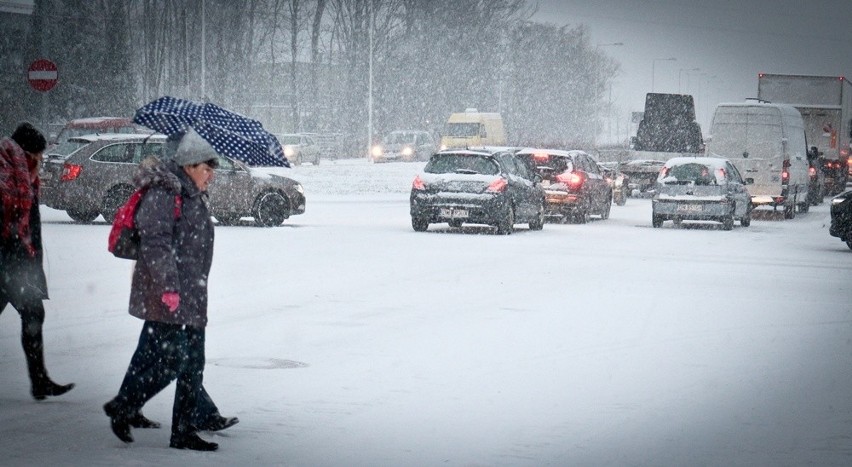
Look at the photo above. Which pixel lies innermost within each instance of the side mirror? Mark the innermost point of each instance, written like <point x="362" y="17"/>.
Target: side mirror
<point x="749" y="181"/>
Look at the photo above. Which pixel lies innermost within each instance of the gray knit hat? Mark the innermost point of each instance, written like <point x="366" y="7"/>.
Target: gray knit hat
<point x="193" y="149"/>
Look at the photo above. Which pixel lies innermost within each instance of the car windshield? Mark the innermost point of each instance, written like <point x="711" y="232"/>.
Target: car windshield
<point x="462" y="129"/>
<point x="462" y="163"/>
<point x="547" y="165"/>
<point x="400" y="138"/>
<point x="684" y="174"/>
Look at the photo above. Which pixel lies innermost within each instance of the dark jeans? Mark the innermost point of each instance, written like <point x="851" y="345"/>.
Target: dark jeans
<point x="32" y="320"/>
<point x="166" y="352"/>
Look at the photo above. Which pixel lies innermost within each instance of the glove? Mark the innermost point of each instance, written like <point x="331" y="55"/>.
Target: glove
<point x="171" y="300"/>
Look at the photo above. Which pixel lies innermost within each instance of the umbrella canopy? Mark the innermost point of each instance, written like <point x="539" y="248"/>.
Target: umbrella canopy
<point x="230" y="133"/>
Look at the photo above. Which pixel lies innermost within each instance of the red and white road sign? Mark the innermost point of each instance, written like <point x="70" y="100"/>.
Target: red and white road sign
<point x="42" y="75"/>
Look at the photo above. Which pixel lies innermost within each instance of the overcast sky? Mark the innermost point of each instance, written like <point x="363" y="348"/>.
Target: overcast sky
<point x="730" y="41"/>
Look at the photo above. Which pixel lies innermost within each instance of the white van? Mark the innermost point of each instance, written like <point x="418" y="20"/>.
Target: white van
<point x="767" y="144"/>
<point x="473" y="128"/>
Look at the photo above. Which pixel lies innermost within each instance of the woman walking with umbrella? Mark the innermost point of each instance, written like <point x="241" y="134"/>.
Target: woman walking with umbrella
<point x="169" y="292"/>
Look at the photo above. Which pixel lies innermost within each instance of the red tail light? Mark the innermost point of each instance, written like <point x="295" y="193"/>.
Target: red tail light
<point x="418" y="183"/>
<point x="812" y="171"/>
<point x="785" y="172"/>
<point x="572" y="179"/>
<point x="497" y="186"/>
<point x="664" y="172"/>
<point x="70" y="172"/>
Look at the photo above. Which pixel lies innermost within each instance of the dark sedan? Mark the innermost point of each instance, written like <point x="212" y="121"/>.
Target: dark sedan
<point x="575" y="185"/>
<point x="477" y="187"/>
<point x="841" y="217"/>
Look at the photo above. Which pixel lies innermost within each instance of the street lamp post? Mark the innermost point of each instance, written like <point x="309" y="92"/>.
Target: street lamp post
<point x="654" y="70"/>
<point x="609" y="102"/>
<point x="687" y="70"/>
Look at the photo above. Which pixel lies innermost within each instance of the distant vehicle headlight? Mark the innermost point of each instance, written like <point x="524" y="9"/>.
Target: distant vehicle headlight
<point x="289" y="151"/>
<point x="407" y="151"/>
<point x="376" y="151"/>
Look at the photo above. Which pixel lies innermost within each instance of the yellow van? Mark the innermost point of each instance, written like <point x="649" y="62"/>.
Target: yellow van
<point x="473" y="128"/>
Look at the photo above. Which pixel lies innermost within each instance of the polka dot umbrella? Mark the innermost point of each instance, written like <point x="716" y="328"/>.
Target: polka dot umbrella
<point x="231" y="134"/>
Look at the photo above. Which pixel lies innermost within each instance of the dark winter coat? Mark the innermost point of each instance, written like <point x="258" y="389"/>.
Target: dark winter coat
<point x="22" y="279"/>
<point x="22" y="276"/>
<point x="175" y="255"/>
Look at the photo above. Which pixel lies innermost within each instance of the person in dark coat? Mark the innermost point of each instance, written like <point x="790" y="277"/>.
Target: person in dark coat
<point x="22" y="280"/>
<point x="169" y="292"/>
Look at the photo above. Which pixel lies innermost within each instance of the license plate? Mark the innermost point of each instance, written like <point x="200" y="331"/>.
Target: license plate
<point x="454" y="213"/>
<point x="689" y="208"/>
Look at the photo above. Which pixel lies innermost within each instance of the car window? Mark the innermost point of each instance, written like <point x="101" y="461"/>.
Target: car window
<point x="508" y="163"/>
<point x="683" y="174"/>
<point x="225" y="163"/>
<point x="116" y="153"/>
<point x="733" y="173"/>
<point x="142" y="151"/>
<point x="462" y="129"/>
<point x="461" y="163"/>
<point x="593" y="166"/>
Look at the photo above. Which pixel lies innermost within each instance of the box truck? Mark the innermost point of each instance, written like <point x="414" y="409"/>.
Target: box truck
<point x="473" y="128"/>
<point x="825" y="103"/>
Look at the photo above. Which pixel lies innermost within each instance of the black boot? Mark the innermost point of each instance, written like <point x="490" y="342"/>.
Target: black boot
<point x="42" y="386"/>
<point x="49" y="388"/>
<point x="217" y="422"/>
<point x="140" y="421"/>
<point x="118" y="421"/>
<point x="191" y="441"/>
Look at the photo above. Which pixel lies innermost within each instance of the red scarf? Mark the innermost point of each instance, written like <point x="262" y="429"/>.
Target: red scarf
<point x="18" y="194"/>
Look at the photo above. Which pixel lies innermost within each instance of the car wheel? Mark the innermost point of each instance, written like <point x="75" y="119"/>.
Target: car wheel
<point x="656" y="221"/>
<point x="581" y="215"/>
<point x="113" y="200"/>
<point x="538" y="222"/>
<point x="507" y="223"/>
<point x="790" y="211"/>
<point x="806" y="206"/>
<point x="728" y="221"/>
<point x="271" y="209"/>
<point x="419" y="224"/>
<point x="82" y="216"/>
<point x="746" y="219"/>
<point x="455" y="224"/>
<point x="606" y="209"/>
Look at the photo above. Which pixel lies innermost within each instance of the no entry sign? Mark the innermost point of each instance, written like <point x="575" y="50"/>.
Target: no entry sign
<point x="42" y="75"/>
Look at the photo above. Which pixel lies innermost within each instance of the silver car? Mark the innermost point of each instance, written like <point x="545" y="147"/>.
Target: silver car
<point x="404" y="145"/>
<point x="97" y="179"/>
<point x="701" y="189"/>
<point x="299" y="148"/>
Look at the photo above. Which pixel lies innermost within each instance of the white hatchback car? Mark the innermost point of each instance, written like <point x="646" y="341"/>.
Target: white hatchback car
<point x="299" y="148"/>
<point x="702" y="189"/>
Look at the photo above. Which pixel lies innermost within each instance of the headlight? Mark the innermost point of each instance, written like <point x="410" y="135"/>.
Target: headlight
<point x="838" y="200"/>
<point x="289" y="151"/>
<point x="376" y="151"/>
<point x="298" y="187"/>
<point x="407" y="151"/>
